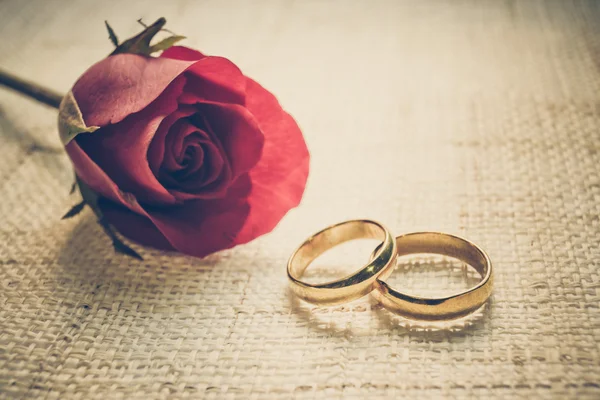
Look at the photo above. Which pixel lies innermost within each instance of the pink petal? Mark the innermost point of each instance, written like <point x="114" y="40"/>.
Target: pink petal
<point x="279" y="178"/>
<point x="212" y="175"/>
<point x="136" y="227"/>
<point x="175" y="144"/>
<point x="123" y="84"/>
<point x="121" y="149"/>
<point x="197" y="228"/>
<point x="238" y="132"/>
<point x="211" y="78"/>
<point x="182" y="53"/>
<point x="91" y="174"/>
<point x="215" y="79"/>
<point x="202" y="227"/>
<point x="156" y="151"/>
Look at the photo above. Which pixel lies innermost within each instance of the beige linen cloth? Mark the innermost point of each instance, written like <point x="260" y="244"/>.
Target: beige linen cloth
<point x="475" y="118"/>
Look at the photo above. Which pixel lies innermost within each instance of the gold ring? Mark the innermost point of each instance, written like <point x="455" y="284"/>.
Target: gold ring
<point x="442" y="308"/>
<point x="353" y="286"/>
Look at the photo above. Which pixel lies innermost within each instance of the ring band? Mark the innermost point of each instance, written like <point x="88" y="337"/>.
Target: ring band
<point x="353" y="286"/>
<point x="443" y="308"/>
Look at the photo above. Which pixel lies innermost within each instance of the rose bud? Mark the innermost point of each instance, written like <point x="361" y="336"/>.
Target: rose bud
<point x="182" y="151"/>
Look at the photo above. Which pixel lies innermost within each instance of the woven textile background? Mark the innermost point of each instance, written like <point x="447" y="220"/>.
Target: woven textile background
<point x="475" y="118"/>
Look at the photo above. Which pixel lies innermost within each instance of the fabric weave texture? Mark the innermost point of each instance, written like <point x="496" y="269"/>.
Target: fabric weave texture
<point x="475" y="118"/>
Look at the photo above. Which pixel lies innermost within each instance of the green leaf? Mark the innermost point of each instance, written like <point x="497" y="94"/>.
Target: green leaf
<point x="76" y="209"/>
<point x="166" y="43"/>
<point x="140" y="43"/>
<point x="89" y="196"/>
<point x="70" y="119"/>
<point x="111" y="34"/>
<point x="91" y="199"/>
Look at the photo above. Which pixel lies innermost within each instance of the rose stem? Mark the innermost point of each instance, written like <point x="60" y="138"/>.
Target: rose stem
<point x="33" y="90"/>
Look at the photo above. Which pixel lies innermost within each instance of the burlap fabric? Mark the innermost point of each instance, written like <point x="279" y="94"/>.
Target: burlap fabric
<point x="475" y="118"/>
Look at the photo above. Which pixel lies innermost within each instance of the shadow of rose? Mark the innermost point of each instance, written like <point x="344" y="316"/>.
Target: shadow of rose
<point x="102" y="278"/>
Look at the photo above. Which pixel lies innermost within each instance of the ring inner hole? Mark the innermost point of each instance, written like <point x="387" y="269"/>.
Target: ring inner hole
<point x="432" y="275"/>
<point x="340" y="261"/>
<point x="318" y="244"/>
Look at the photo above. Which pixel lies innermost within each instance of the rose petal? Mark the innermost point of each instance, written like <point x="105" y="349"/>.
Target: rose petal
<point x="139" y="228"/>
<point x="237" y="130"/>
<point x="234" y="128"/>
<point x="209" y="158"/>
<point x="182" y="53"/>
<point x="175" y="145"/>
<point x="91" y="174"/>
<point x="217" y="160"/>
<point x="215" y="79"/>
<point x="279" y="178"/>
<point x="216" y="178"/>
<point x="197" y="228"/>
<point x="123" y="84"/>
<point x="205" y="166"/>
<point x="121" y="149"/>
<point x="211" y="78"/>
<point x="156" y="151"/>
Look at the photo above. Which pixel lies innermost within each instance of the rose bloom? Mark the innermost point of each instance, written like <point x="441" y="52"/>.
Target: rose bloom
<point x="191" y="155"/>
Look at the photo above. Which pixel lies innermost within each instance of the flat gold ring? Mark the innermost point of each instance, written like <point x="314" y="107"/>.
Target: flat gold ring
<point x="350" y="287"/>
<point x="442" y="308"/>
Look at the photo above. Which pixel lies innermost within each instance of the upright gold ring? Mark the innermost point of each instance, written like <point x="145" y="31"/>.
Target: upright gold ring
<point x="442" y="308"/>
<point x="353" y="286"/>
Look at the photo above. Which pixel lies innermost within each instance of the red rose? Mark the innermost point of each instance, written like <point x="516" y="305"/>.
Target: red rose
<point x="188" y="154"/>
